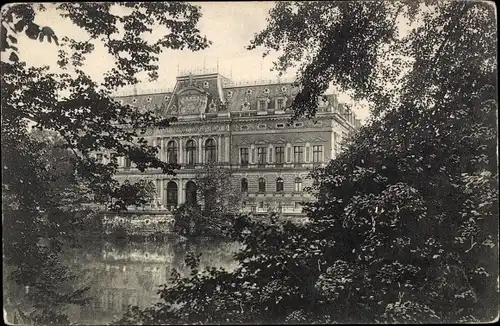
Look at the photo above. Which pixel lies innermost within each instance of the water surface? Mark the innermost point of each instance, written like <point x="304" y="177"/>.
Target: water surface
<point x="122" y="274"/>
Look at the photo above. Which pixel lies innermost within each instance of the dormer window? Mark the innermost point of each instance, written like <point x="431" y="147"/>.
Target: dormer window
<point x="283" y="89"/>
<point x="266" y="91"/>
<point x="280" y="125"/>
<point x="229" y="94"/>
<point x="167" y="97"/>
<point x="211" y="106"/>
<point x="134" y="100"/>
<point x="205" y="84"/>
<point x="262" y="126"/>
<point x="244" y="127"/>
<point x="249" y="91"/>
<point x="148" y="99"/>
<point x="246" y="106"/>
<point x="262" y="104"/>
<point x="299" y="124"/>
<point x="280" y="104"/>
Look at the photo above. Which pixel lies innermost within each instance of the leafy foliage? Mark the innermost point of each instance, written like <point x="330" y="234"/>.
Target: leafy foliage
<point x="405" y="225"/>
<point x="43" y="197"/>
<point x="220" y="203"/>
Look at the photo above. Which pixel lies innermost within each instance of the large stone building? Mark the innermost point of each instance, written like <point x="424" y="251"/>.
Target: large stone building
<point x="242" y="127"/>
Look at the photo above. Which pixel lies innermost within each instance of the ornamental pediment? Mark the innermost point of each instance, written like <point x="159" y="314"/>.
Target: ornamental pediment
<point x="192" y="100"/>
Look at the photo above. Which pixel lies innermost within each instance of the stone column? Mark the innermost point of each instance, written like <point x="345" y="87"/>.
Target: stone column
<point x="162" y="150"/>
<point x="219" y="149"/>
<point x="162" y="193"/>
<point x="200" y="150"/>
<point x="155" y="144"/>
<point x="307" y="154"/>
<point x="226" y="150"/>
<point x="181" y="154"/>
<point x="180" y="192"/>
<point x="252" y="154"/>
<point x="288" y="153"/>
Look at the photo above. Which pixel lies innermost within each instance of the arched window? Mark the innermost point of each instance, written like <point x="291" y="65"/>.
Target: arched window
<point x="298" y="185"/>
<point x="171" y="195"/>
<point x="172" y="152"/>
<point x="190" y="152"/>
<point x="244" y="185"/>
<point x="279" y="184"/>
<point x="191" y="192"/>
<point x="262" y="185"/>
<point x="210" y="151"/>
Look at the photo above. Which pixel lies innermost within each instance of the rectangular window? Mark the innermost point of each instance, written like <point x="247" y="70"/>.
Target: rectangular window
<point x="262" y="104"/>
<point x="317" y="153"/>
<point x="261" y="155"/>
<point x="126" y="162"/>
<point x="280" y="155"/>
<point x="261" y="204"/>
<point x="279" y="104"/>
<point x="244" y="156"/>
<point x="298" y="154"/>
<point x="99" y="157"/>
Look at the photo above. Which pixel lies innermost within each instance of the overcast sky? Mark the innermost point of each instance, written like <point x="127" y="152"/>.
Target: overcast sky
<point x="229" y="25"/>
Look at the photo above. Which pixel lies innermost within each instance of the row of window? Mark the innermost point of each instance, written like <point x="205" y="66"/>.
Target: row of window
<point x="210" y="151"/>
<point x="249" y="91"/>
<point x="279" y="185"/>
<point x="261" y="205"/>
<point x="278" y="125"/>
<point x="211" y="154"/>
<point x="279" y="154"/>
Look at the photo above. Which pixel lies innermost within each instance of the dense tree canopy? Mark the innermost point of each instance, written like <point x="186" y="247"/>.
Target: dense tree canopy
<point x="41" y="196"/>
<point x="220" y="202"/>
<point x="405" y="226"/>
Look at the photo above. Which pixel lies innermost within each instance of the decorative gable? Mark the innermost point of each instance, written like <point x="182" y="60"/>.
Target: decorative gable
<point x="261" y="142"/>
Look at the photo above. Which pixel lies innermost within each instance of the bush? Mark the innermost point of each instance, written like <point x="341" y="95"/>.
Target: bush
<point x="191" y="221"/>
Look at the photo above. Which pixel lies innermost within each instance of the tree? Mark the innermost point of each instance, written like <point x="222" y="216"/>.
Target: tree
<point x="216" y="191"/>
<point x="220" y="203"/>
<point x="405" y="226"/>
<point x="83" y="113"/>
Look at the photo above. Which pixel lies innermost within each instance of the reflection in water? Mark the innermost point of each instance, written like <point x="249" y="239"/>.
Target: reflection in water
<point x="130" y="274"/>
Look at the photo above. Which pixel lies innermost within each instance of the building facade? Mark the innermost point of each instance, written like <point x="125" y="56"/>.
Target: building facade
<point x="244" y="128"/>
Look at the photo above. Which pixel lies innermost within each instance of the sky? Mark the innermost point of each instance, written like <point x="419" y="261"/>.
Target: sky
<point x="229" y="25"/>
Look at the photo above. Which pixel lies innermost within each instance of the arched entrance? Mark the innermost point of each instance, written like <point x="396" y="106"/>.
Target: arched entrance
<point x="190" y="192"/>
<point x="172" y="195"/>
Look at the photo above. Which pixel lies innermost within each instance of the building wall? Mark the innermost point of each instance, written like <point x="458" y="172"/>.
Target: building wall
<point x="241" y="117"/>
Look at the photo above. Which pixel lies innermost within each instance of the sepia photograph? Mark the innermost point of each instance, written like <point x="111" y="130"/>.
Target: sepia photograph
<point x="250" y="162"/>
